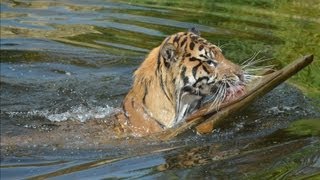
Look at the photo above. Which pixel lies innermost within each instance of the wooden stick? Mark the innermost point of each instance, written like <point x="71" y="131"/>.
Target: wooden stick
<point x="208" y="114"/>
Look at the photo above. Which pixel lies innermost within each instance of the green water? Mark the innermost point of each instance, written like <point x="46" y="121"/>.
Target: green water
<point x="72" y="61"/>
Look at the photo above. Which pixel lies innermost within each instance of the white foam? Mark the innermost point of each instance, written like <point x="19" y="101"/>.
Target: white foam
<point x="82" y="113"/>
<point x="79" y="113"/>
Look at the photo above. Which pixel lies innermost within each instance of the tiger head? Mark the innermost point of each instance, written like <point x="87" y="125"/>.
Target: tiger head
<point x="177" y="76"/>
<point x="199" y="70"/>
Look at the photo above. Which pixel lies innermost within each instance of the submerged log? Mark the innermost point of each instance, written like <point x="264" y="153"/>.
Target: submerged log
<point x="207" y="117"/>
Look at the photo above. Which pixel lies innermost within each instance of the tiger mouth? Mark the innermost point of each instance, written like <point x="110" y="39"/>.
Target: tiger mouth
<point x="234" y="92"/>
<point x="231" y="92"/>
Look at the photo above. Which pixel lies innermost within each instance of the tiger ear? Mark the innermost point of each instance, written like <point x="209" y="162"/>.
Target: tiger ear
<point x="195" y="31"/>
<point x="168" y="52"/>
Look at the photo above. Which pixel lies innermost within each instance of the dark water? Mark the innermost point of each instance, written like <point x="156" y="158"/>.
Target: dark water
<point x="64" y="63"/>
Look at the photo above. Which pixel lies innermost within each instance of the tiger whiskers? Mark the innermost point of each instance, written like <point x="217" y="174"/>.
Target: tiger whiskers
<point x="219" y="96"/>
<point x="221" y="46"/>
<point x="228" y="89"/>
<point x="251" y="64"/>
<point x="251" y="67"/>
<point x="249" y="77"/>
<point x="251" y="73"/>
<point x="250" y="60"/>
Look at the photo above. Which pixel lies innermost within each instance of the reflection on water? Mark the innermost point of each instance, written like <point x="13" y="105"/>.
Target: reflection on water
<point x="73" y="60"/>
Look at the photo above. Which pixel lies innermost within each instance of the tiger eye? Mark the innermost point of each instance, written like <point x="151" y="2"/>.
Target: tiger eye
<point x="212" y="63"/>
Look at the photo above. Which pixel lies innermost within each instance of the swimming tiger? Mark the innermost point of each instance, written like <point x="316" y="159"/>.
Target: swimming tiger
<point x="174" y="80"/>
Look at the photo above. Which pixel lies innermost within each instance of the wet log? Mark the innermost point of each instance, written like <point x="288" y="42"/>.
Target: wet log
<point x="207" y="117"/>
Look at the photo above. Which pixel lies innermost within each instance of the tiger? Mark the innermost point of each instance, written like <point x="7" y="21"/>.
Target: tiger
<point x="174" y="80"/>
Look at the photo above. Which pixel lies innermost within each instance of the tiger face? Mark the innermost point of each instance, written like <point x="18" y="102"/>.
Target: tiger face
<point x="200" y="70"/>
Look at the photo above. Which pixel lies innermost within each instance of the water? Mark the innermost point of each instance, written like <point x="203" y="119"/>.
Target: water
<point x="66" y="66"/>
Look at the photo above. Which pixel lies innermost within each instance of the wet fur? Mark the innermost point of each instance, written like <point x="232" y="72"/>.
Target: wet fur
<point x="173" y="81"/>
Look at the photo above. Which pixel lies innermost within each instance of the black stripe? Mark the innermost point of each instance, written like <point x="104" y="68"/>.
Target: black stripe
<point x="159" y="56"/>
<point x="195" y="69"/>
<point x="206" y="52"/>
<point x="166" y="64"/>
<point x="201" y="40"/>
<point x="194" y="37"/>
<point x="214" y="81"/>
<point x="162" y="87"/>
<point x="156" y="120"/>
<point x="214" y="63"/>
<point x="194" y="59"/>
<point x="174" y="81"/>
<point x="205" y="69"/>
<point x="158" y="64"/>
<point x="159" y="123"/>
<point x="158" y="69"/>
<point x="189" y="89"/>
<point x="200" y="79"/>
<point x="176" y="39"/>
<point x="145" y="94"/>
<point x="201" y="47"/>
<point x="191" y="45"/>
<point x="124" y="111"/>
<point x="183" y="41"/>
<point x="125" y="114"/>
<point x="183" y="72"/>
<point x="201" y="55"/>
<point x="132" y="102"/>
<point x="185" y="80"/>
<point x="183" y="75"/>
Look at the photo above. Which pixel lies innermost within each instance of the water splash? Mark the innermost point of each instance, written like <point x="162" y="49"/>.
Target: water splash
<point x="77" y="113"/>
<point x="82" y="113"/>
